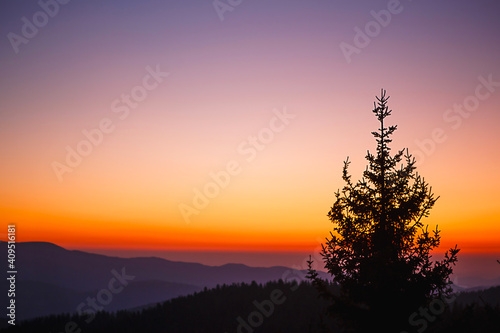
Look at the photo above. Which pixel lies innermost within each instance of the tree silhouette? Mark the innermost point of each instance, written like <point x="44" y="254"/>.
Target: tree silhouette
<point x="379" y="250"/>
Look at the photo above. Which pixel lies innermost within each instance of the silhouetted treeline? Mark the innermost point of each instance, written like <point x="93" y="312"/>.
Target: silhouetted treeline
<point x="470" y="312"/>
<point x="295" y="308"/>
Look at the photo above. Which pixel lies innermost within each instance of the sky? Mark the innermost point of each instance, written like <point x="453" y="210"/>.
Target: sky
<point x="221" y="127"/>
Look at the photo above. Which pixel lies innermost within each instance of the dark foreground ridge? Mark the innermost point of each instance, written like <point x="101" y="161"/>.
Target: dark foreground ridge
<point x="272" y="307"/>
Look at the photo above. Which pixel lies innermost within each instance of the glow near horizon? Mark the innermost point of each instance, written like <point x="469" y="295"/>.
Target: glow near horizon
<point x="225" y="79"/>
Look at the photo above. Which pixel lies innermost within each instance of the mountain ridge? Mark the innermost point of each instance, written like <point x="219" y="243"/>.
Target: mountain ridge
<point x="52" y="279"/>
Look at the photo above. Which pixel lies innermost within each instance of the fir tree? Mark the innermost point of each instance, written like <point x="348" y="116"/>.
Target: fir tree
<point x="379" y="252"/>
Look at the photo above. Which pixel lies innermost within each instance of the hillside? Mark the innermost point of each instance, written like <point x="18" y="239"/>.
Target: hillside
<point x="245" y="308"/>
<point x="54" y="280"/>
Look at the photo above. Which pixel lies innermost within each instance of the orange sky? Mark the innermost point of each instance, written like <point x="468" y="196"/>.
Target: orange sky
<point x="226" y="84"/>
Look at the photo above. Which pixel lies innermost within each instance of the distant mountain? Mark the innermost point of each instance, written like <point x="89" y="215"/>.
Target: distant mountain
<point x="477" y="282"/>
<point x="53" y="280"/>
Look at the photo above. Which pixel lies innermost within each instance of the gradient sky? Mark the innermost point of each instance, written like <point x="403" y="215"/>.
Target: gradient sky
<point x="226" y="81"/>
